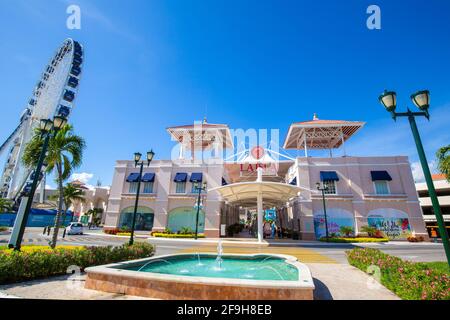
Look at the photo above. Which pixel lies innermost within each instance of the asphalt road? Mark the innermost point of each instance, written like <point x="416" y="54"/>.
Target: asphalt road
<point x="404" y="250"/>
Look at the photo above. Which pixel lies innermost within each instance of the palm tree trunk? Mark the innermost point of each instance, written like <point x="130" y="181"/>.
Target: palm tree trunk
<point x="60" y="207"/>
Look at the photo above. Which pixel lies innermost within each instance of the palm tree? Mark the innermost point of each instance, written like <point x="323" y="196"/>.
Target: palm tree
<point x="5" y="205"/>
<point x="65" y="152"/>
<point x="443" y="156"/>
<point x="71" y="194"/>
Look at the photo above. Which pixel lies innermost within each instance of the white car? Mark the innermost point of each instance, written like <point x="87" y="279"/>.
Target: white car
<point x="74" y="228"/>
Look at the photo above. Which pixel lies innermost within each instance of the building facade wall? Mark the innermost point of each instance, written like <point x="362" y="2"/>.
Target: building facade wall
<point x="355" y="193"/>
<point x="355" y="196"/>
<point x="164" y="198"/>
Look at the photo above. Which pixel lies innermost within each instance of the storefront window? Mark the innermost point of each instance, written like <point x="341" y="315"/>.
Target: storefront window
<point x="392" y="223"/>
<point x="330" y="186"/>
<point x="185" y="217"/>
<point x="381" y="187"/>
<point x="180" y="187"/>
<point x="148" y="187"/>
<point x="144" y="218"/>
<point x="133" y="187"/>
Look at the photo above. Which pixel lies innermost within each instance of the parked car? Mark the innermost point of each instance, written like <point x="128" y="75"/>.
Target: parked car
<point x="74" y="228"/>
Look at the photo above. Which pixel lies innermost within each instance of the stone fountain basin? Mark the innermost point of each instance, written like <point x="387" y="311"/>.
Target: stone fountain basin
<point x="115" y="278"/>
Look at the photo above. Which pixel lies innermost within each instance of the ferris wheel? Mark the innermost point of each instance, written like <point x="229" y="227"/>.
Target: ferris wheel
<point x="54" y="94"/>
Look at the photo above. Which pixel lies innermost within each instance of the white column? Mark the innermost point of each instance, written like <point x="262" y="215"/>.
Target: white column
<point x="343" y="142"/>
<point x="306" y="148"/>
<point x="181" y="155"/>
<point x="260" y="216"/>
<point x="259" y="202"/>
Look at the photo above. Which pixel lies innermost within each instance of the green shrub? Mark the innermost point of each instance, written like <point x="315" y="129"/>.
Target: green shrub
<point x="3" y="229"/>
<point x="346" y="230"/>
<point x="369" y="230"/>
<point x="185" y="230"/>
<point x="408" y="280"/>
<point x="31" y="264"/>
<point x="177" y="235"/>
<point x="354" y="240"/>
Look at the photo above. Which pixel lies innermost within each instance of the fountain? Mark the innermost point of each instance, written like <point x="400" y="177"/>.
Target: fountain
<point x="219" y="259"/>
<point x="206" y="276"/>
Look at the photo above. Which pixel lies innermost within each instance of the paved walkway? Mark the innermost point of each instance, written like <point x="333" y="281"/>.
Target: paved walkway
<point x="332" y="281"/>
<point x="61" y="288"/>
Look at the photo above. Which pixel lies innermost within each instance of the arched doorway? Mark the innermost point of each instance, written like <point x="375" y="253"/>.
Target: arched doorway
<point x="336" y="218"/>
<point x="144" y="218"/>
<point x="392" y="222"/>
<point x="185" y="217"/>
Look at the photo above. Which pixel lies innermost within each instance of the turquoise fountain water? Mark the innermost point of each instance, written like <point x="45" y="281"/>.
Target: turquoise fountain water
<point x="258" y="267"/>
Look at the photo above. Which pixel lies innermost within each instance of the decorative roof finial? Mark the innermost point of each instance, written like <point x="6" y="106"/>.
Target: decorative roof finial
<point x="204" y="120"/>
<point x="315" y="116"/>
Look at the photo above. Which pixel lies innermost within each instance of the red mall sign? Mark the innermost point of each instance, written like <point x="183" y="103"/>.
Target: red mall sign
<point x="257" y="153"/>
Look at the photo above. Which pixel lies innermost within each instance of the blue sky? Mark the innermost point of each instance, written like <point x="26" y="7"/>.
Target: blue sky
<point x="250" y="64"/>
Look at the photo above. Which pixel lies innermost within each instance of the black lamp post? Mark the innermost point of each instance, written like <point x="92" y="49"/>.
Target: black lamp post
<point x="199" y="189"/>
<point x="137" y="161"/>
<point x="321" y="187"/>
<point x="422" y="101"/>
<point x="47" y="127"/>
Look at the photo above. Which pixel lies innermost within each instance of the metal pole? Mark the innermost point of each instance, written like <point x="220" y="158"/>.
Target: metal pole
<point x="325" y="212"/>
<point x="37" y="173"/>
<point x="430" y="185"/>
<point x="136" y="203"/>
<point x="198" y="211"/>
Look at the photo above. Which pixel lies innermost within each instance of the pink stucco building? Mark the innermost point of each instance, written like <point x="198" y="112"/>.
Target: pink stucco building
<point x="360" y="191"/>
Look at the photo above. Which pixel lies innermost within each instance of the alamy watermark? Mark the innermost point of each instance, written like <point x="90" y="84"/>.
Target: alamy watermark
<point x="374" y="20"/>
<point x="74" y="19"/>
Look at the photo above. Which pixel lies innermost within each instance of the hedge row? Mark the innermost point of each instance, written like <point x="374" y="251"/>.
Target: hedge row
<point x="176" y="235"/>
<point x="354" y="240"/>
<point x="408" y="280"/>
<point x="31" y="264"/>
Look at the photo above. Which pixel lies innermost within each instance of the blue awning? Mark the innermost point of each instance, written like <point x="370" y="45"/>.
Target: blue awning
<point x="328" y="175"/>
<point x="196" y="177"/>
<point x="133" y="177"/>
<point x="148" y="177"/>
<point x="180" y="177"/>
<point x="380" y="175"/>
<point x="294" y="181"/>
<point x="224" y="182"/>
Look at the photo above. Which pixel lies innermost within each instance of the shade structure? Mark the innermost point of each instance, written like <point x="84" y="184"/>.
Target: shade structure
<point x="202" y="136"/>
<point x="380" y="176"/>
<point x="260" y="194"/>
<point x="329" y="175"/>
<point x="180" y="177"/>
<point x="133" y="177"/>
<point x="320" y="134"/>
<point x="148" y="177"/>
<point x="196" y="177"/>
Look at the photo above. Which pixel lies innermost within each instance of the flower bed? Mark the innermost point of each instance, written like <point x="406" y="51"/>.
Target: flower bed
<point x="176" y="235"/>
<point x="39" y="262"/>
<point x="354" y="240"/>
<point x="408" y="280"/>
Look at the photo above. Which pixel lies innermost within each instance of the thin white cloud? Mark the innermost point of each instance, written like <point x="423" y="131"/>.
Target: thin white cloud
<point x="418" y="172"/>
<point x="83" y="177"/>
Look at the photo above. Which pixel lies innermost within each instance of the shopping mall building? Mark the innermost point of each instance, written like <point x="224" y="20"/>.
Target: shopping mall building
<point x="376" y="191"/>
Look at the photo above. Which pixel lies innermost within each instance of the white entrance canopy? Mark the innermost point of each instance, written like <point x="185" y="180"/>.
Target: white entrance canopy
<point x="257" y="193"/>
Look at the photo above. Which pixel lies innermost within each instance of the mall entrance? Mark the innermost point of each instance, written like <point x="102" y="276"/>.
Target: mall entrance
<point x="259" y="198"/>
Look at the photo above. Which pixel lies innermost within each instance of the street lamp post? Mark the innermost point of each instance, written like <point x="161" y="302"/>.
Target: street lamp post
<point x="422" y="100"/>
<point x="321" y="187"/>
<point x="47" y="127"/>
<point x="137" y="161"/>
<point x="200" y="189"/>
